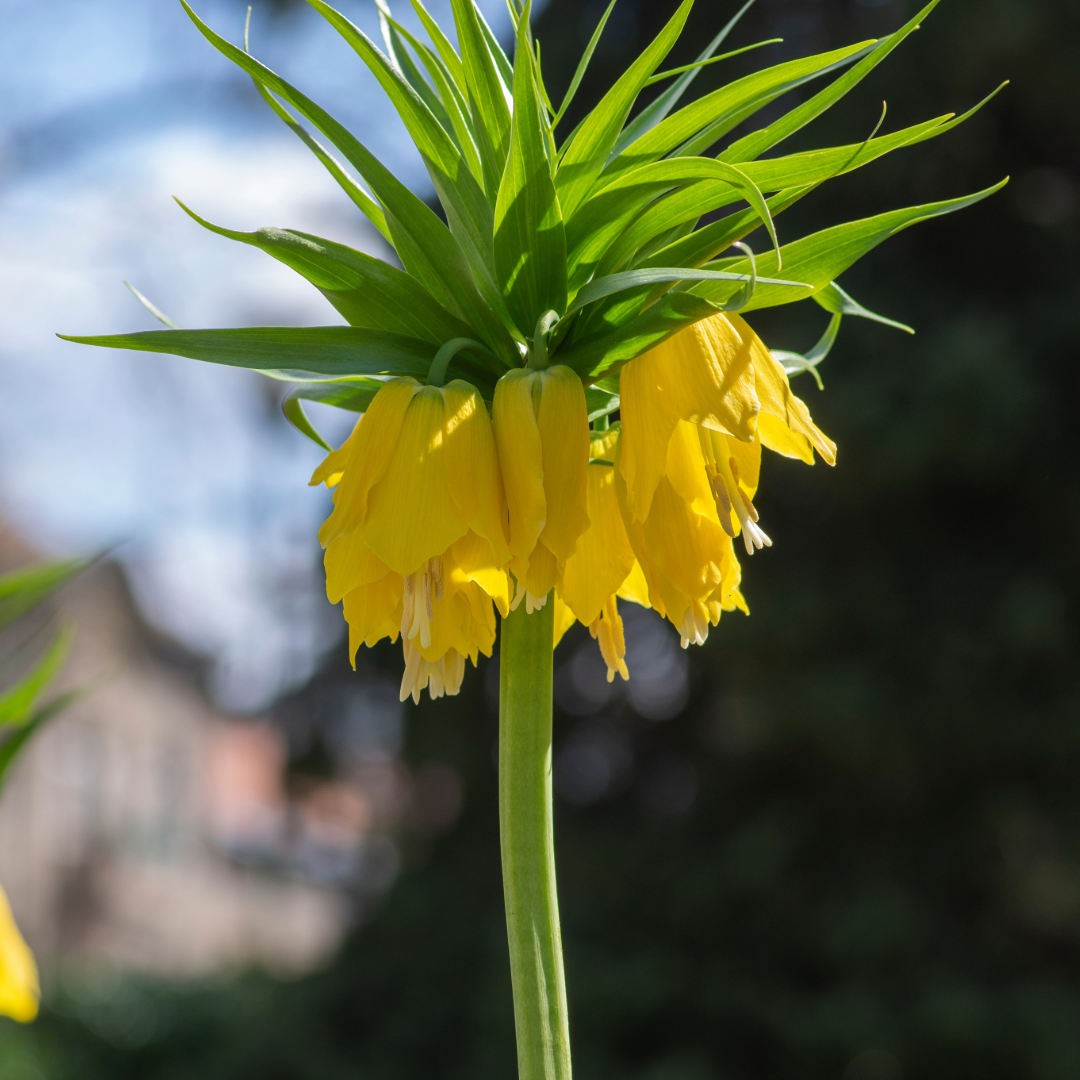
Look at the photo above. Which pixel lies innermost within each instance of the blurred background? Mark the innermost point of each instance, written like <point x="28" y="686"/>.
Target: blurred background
<point x="841" y="840"/>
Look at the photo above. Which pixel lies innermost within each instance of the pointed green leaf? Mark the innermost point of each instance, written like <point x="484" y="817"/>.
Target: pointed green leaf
<point x="365" y="290"/>
<point x="445" y="49"/>
<point x="589" y="150"/>
<point x="693" y="200"/>
<point x="424" y="244"/>
<point x="833" y="298"/>
<point x="663" y="103"/>
<point x="599" y="288"/>
<point x="818" y="259"/>
<point x="756" y="143"/>
<point x="324" y="350"/>
<point x="487" y="94"/>
<point x="530" y="245"/>
<point x="11" y="748"/>
<point x="598" y="232"/>
<point x="797" y="363"/>
<point x="367" y="205"/>
<point x="23" y="589"/>
<point x="17" y="703"/>
<point x="467" y="209"/>
<point x="698" y="125"/>
<point x="583" y="64"/>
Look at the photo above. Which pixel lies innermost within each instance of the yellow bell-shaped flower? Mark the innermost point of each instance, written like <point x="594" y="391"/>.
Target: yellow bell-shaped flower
<point x="685" y="553"/>
<point x="603" y="565"/>
<point x="542" y="432"/>
<point x="416" y="544"/>
<point x="19" y="989"/>
<point x="718" y="374"/>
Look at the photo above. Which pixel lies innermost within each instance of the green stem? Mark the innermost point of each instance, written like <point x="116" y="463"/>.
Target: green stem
<point x="528" y="852"/>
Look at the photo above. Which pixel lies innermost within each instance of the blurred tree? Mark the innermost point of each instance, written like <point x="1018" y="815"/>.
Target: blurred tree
<point x="856" y="851"/>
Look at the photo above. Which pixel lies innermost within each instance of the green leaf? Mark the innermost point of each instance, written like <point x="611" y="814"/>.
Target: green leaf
<point x="599" y="288"/>
<point x="18" y="702"/>
<point x="11" y="748"/>
<point x="367" y="205"/>
<point x="691" y="201"/>
<point x="700" y="124"/>
<point x="156" y="312"/>
<point x="487" y="94"/>
<point x="325" y="350"/>
<point x="832" y="298"/>
<point x="604" y="352"/>
<point x="294" y="413"/>
<point x="756" y="143"/>
<point x="23" y="589"/>
<point x="583" y="65"/>
<point x="600" y="402"/>
<point x="365" y="290"/>
<point x="823" y="256"/>
<point x="660" y="76"/>
<point x="453" y="100"/>
<point x="663" y="103"/>
<point x="588" y="153"/>
<point x="598" y="232"/>
<point x="446" y="50"/>
<point x="530" y="244"/>
<point x="467" y="208"/>
<point x="797" y="363"/>
<point x="424" y="244"/>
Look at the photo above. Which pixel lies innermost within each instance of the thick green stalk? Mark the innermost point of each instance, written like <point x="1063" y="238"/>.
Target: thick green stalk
<point x="528" y="851"/>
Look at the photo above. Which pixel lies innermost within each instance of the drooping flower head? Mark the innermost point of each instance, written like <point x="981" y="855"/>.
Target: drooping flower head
<point x="416" y="544"/>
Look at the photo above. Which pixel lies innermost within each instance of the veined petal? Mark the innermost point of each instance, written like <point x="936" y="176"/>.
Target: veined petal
<point x="333" y="465"/>
<point x="520" y="459"/>
<point x="350" y="563"/>
<point x="604" y="557"/>
<point x="370" y="456"/>
<point x="778" y="401"/>
<point x="411" y="516"/>
<point x="373" y="611"/>
<point x="685" y="468"/>
<point x="703" y="375"/>
<point x="563" y="423"/>
<point x="472" y="467"/>
<point x="474" y="557"/>
<point x="635" y="588"/>
<point x="19" y="990"/>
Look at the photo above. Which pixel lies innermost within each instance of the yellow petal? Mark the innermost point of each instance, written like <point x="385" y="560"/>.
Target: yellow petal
<point x="411" y="516"/>
<point x="370" y="456"/>
<point x="685" y="469"/>
<point x="373" y="612"/>
<point x="604" y="557"/>
<point x="333" y="466"/>
<point x="19" y="990"/>
<point x="475" y="559"/>
<point x="778" y="401"/>
<point x="564" y="619"/>
<point x="520" y="458"/>
<point x="635" y="588"/>
<point x="563" y="424"/>
<point x="350" y="563"/>
<point x="702" y="375"/>
<point x="472" y="467"/>
<point x="543" y="571"/>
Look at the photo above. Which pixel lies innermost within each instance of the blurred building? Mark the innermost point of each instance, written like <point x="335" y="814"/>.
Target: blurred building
<point x="145" y="831"/>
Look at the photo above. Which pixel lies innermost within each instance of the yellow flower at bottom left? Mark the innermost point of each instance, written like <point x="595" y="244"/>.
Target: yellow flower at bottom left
<point x="416" y="544"/>
<point x="19" y="991"/>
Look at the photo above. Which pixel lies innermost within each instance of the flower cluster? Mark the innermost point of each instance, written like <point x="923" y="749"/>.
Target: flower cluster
<point x="443" y="513"/>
